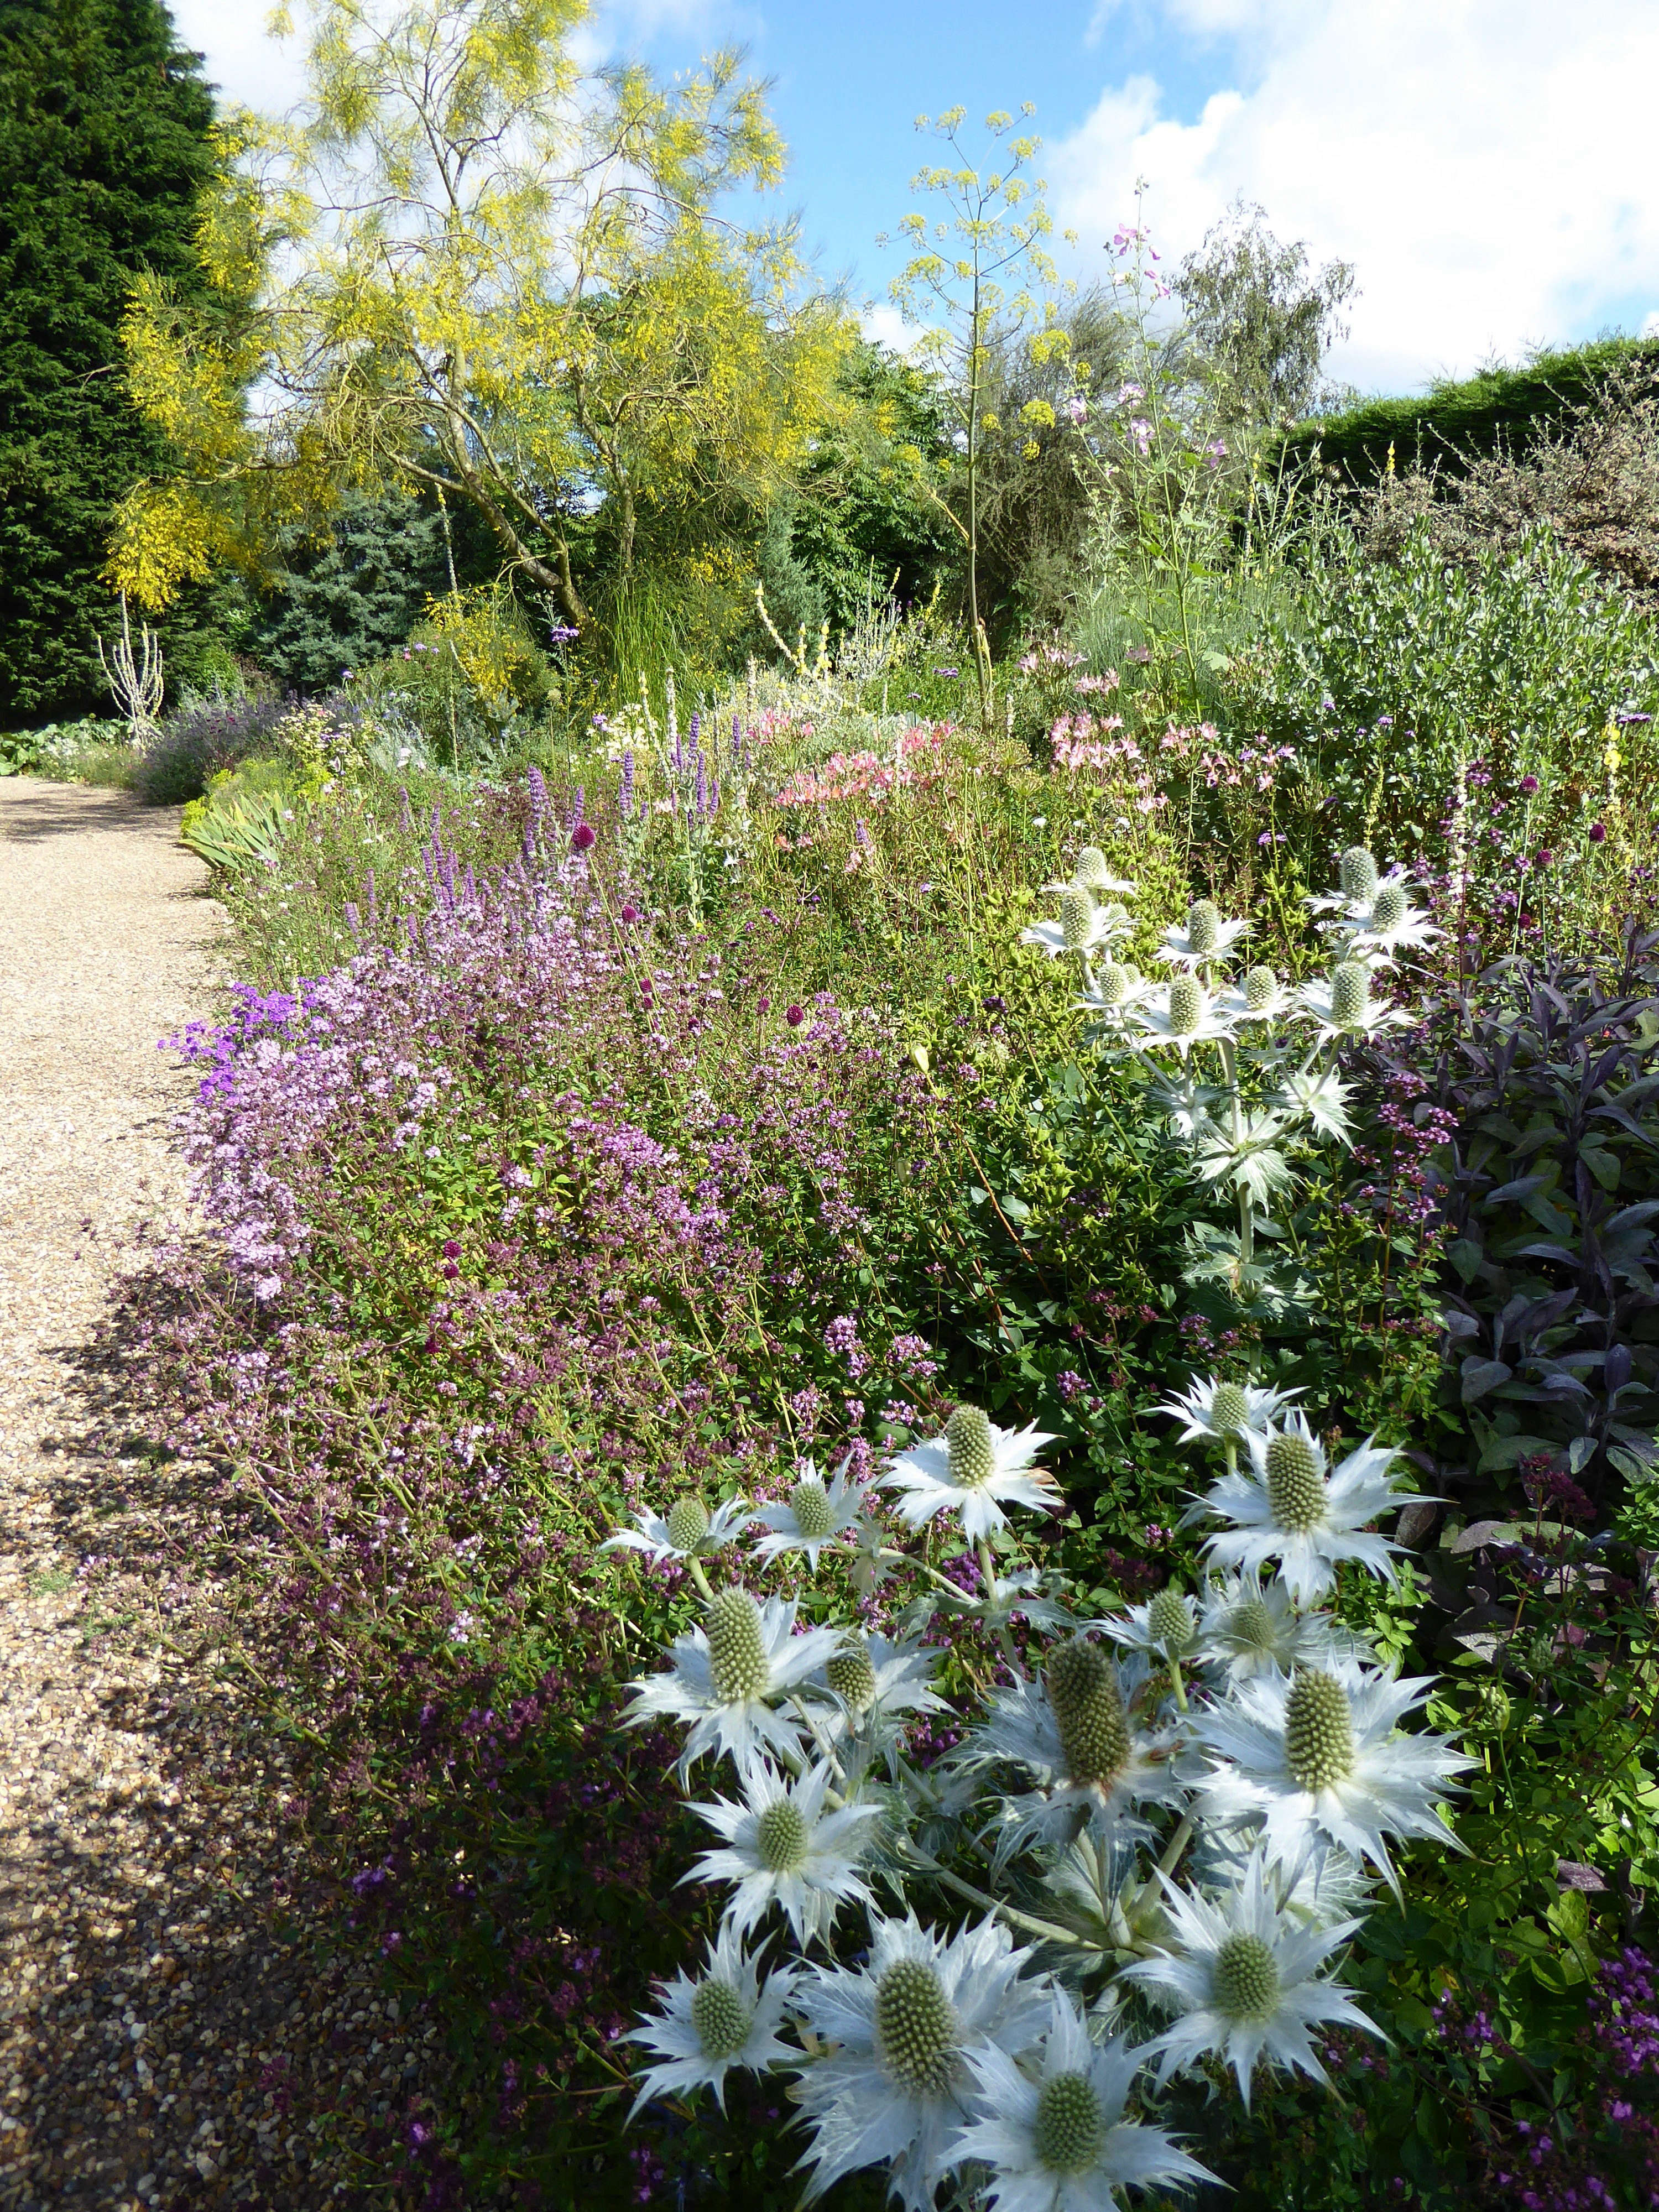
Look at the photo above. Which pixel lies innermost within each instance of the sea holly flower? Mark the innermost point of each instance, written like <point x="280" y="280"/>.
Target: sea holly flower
<point x="1075" y="1733"/>
<point x="1166" y="1627"/>
<point x="1207" y="939"/>
<point x="1318" y="1759"/>
<point x="1093" y="871"/>
<point x="1224" y="1412"/>
<point x="1185" y="1105"/>
<point x="1357" y="879"/>
<point x="728" y="2018"/>
<point x="725" y="1672"/>
<point x="1341" y="1004"/>
<point x="1294" y="1507"/>
<point x="687" y="1531"/>
<point x="872" y="1679"/>
<point x="1389" y="924"/>
<point x="1082" y="927"/>
<point x="1058" y="2139"/>
<point x="896" y="2085"/>
<point x="1183" y="1014"/>
<point x="815" y="1515"/>
<point x="782" y="1848"/>
<point x="1113" y="993"/>
<point x="1260" y="996"/>
<point x="1250" y="1628"/>
<point x="974" y="1469"/>
<point x="1320" y="1097"/>
<point x="1244" y="1976"/>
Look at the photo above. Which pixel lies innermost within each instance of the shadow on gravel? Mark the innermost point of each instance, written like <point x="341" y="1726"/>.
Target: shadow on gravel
<point x="178" y="2029"/>
<point x="36" y="811"/>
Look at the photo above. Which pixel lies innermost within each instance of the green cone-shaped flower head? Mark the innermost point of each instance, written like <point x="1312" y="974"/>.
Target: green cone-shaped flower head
<point x="1203" y="925"/>
<point x="1068" y="2127"/>
<point x="1077" y="914"/>
<point x="814" y="1515"/>
<point x="1318" y="1729"/>
<point x="722" y="2019"/>
<point x="1356" y="875"/>
<point x="1252" y="1623"/>
<point x="1088" y="1709"/>
<point x="1170" y="1622"/>
<point x="973" y="1451"/>
<point x="1350" y="993"/>
<point x="1229" y="1409"/>
<point x="736" y="1646"/>
<point x="1389" y="907"/>
<point x="1296" y="1487"/>
<point x="1244" y="1979"/>
<point x="1115" y="983"/>
<point x="1092" y="870"/>
<point x="852" y="1677"/>
<point x="687" y="1523"/>
<point x="915" y="2028"/>
<point x="1260" y="988"/>
<point x="1186" y="1006"/>
<point x="781" y="1837"/>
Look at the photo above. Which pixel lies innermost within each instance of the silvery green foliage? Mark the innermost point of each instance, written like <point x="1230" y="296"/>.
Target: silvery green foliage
<point x="1241" y="1065"/>
<point x="1143" y="1853"/>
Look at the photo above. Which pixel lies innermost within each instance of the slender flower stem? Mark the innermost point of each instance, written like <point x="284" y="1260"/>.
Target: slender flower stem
<point x="1176" y="1844"/>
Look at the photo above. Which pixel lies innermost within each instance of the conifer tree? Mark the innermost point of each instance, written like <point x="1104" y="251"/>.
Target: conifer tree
<point x="105" y="127"/>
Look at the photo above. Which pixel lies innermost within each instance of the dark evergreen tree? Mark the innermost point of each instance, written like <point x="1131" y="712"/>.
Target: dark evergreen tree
<point x="352" y="597"/>
<point x="104" y="146"/>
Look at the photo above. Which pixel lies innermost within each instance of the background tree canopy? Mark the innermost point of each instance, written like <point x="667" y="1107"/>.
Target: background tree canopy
<point x="105" y="147"/>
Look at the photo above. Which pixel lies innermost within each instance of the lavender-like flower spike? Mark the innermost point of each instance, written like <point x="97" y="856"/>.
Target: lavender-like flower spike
<point x="626" y="795"/>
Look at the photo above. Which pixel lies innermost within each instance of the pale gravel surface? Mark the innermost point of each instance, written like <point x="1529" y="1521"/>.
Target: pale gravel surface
<point x="172" y="2031"/>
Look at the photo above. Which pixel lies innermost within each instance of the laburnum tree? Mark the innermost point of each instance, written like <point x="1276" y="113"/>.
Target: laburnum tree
<point x="106" y="131"/>
<point x="475" y="270"/>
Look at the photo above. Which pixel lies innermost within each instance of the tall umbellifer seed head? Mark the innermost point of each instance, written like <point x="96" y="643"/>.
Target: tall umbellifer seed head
<point x="973" y="1449"/>
<point x="815" y="1516"/>
<point x="1296" y="1482"/>
<point x="1244" y="1979"/>
<point x="1229" y="1409"/>
<point x="852" y="1677"/>
<point x="1088" y="1709"/>
<point x="1355" y="874"/>
<point x="687" y="1523"/>
<point x="1068" y="2126"/>
<point x="1389" y="907"/>
<point x="736" y="1646"/>
<point x="1318" y="1729"/>
<point x="1351" y="994"/>
<point x="1076" y="916"/>
<point x="721" y="2018"/>
<point x="1187" y="1005"/>
<point x="915" y="2028"/>
<point x="1261" y="989"/>
<point x="1204" y="926"/>
<point x="1170" y="1622"/>
<point x="1113" y="984"/>
<point x="1092" y="870"/>
<point x="1252" y="1623"/>
<point x="781" y="1837"/>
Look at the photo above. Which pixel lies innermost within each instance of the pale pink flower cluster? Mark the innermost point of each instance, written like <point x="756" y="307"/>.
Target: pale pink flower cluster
<point x="918" y="762"/>
<point x="1084" y="741"/>
<point x="1256" y="767"/>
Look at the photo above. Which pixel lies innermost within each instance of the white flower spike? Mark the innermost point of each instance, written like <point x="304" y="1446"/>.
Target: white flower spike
<point x="782" y="1848"/>
<point x="1060" y="2141"/>
<point x="725" y="1672"/>
<point x="728" y="2018"/>
<point x="1244" y="1975"/>
<point x="817" y="1513"/>
<point x="974" y="1469"/>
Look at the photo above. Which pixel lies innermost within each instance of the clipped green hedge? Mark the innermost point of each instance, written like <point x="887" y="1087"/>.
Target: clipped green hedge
<point x="1501" y="409"/>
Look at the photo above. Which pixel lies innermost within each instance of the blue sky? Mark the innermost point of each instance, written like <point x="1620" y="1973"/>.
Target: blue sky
<point x="1486" y="165"/>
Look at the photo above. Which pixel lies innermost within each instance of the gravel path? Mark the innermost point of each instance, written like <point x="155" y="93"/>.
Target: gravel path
<point x="172" y="2032"/>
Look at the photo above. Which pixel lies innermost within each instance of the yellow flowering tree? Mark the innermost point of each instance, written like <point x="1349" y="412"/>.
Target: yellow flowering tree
<point x="474" y="268"/>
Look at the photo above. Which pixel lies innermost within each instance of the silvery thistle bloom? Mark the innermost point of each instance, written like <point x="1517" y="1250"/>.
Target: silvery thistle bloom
<point x="1182" y="1014"/>
<point x="1318" y="1759"/>
<point x="1094" y="873"/>
<point x="1060" y="2142"/>
<point x="1075" y="1733"/>
<point x="1292" y="1507"/>
<point x="730" y="2018"/>
<point x="782" y="1847"/>
<point x="1111" y="996"/>
<point x="1319" y="1097"/>
<point x="1225" y="1412"/>
<point x="815" y="1515"/>
<point x="1207" y="937"/>
<point x="1244" y="1975"/>
<point x="1260" y="996"/>
<point x="724" y="1672"/>
<point x="1082" y="927"/>
<point x="1357" y="879"/>
<point x="1186" y="1106"/>
<point x="1165" y="1628"/>
<point x="872" y="1680"/>
<point x="1341" y="1004"/>
<point x="972" y="1469"/>
<point x="687" y="1531"/>
<point x="1249" y="1628"/>
<point x="1389" y="924"/>
<point x="896" y="2085"/>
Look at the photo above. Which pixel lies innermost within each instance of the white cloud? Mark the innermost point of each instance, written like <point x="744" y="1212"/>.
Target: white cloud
<point x="1485" y="164"/>
<point x="250" y="69"/>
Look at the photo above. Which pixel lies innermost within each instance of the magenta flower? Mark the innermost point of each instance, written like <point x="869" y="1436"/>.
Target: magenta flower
<point x="583" y="836"/>
<point x="795" y="1017"/>
<point x="1544" y="859"/>
<point x="631" y="912"/>
<point x="1528" y="785"/>
<point x="1598" y="833"/>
